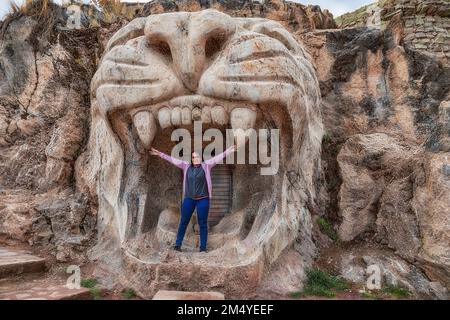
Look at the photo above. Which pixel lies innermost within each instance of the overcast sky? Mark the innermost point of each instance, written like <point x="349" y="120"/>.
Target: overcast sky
<point x="337" y="7"/>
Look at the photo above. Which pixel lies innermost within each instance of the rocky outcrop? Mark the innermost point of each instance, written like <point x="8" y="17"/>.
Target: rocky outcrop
<point x="430" y="204"/>
<point x="293" y="15"/>
<point x="368" y="165"/>
<point x="384" y="175"/>
<point x="44" y="108"/>
<point x="426" y="23"/>
<point x="360" y="264"/>
<point x="383" y="194"/>
<point x="384" y="104"/>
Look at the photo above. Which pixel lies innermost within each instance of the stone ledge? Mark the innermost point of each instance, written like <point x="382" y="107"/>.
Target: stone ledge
<point x="13" y="262"/>
<point x="44" y="292"/>
<point x="187" y="295"/>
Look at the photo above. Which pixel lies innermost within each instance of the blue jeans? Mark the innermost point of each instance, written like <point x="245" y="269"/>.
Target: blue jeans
<point x="187" y="209"/>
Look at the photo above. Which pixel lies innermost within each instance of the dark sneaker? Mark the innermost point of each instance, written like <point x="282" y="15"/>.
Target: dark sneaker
<point x="202" y="250"/>
<point x="177" y="248"/>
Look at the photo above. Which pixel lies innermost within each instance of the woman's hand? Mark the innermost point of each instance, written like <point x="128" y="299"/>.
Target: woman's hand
<point x="154" y="152"/>
<point x="233" y="148"/>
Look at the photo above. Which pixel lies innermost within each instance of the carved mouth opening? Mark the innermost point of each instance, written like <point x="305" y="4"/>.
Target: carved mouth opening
<point x="243" y="199"/>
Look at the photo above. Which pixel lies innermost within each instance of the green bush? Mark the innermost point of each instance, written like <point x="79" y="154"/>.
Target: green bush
<point x="326" y="138"/>
<point x="327" y="228"/>
<point x="88" y="283"/>
<point x="370" y="295"/>
<point x="320" y="283"/>
<point x="350" y="18"/>
<point x="396" y="291"/>
<point x="128" y="293"/>
<point x="96" y="293"/>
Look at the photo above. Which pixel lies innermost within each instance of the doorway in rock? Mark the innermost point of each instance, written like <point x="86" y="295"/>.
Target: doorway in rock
<point x="221" y="176"/>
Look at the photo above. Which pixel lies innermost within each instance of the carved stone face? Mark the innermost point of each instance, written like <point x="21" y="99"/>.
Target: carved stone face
<point x="164" y="71"/>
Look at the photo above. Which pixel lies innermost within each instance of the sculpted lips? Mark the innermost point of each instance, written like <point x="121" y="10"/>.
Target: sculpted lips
<point x="183" y="111"/>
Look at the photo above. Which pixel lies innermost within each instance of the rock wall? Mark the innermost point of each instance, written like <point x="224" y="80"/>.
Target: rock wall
<point x="44" y="112"/>
<point x="426" y="23"/>
<point x="294" y="16"/>
<point x="385" y="159"/>
<point x="385" y="108"/>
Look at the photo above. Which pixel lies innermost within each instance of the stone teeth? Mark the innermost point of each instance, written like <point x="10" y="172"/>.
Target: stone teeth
<point x="196" y="114"/>
<point x="146" y="127"/>
<point x="186" y="116"/>
<point x="242" y="120"/>
<point x="206" y="114"/>
<point x="164" y="117"/>
<point x="176" y="116"/>
<point x="219" y="115"/>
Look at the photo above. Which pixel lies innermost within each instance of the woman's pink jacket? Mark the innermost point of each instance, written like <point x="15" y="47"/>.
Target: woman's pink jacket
<point x="207" y="165"/>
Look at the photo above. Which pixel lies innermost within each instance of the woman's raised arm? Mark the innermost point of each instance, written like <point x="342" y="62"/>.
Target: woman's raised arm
<point x="214" y="160"/>
<point x="177" y="162"/>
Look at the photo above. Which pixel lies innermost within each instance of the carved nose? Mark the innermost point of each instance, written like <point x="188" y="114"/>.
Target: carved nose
<point x="192" y="39"/>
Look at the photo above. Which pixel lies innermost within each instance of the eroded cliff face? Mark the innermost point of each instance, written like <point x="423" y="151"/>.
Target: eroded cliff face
<point x="425" y="24"/>
<point x="44" y="124"/>
<point x="385" y="105"/>
<point x="384" y="180"/>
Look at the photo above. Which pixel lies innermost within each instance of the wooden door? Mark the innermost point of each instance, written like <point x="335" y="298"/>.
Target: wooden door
<point x="221" y="176"/>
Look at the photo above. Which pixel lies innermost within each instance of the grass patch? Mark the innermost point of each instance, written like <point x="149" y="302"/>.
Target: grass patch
<point x="114" y="10"/>
<point x="370" y="295"/>
<point x="96" y="293"/>
<point x="354" y="17"/>
<point x="320" y="283"/>
<point x="296" y="294"/>
<point x="43" y="11"/>
<point x="387" y="292"/>
<point x="38" y="8"/>
<point x="396" y="291"/>
<point x="88" y="283"/>
<point x="327" y="228"/>
<point x="326" y="138"/>
<point x="128" y="293"/>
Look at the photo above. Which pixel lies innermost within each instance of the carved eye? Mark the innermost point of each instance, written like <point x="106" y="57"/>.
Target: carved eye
<point x="274" y="30"/>
<point x="162" y="47"/>
<point x="214" y="44"/>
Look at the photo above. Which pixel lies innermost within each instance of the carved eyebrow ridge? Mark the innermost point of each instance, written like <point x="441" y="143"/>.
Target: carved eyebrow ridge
<point x="132" y="30"/>
<point x="255" y="78"/>
<point x="128" y="83"/>
<point x="262" y="55"/>
<point x="127" y="62"/>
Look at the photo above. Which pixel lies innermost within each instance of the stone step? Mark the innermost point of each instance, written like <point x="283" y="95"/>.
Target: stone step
<point x="14" y="262"/>
<point x="187" y="295"/>
<point x="23" y="277"/>
<point x="39" y="290"/>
